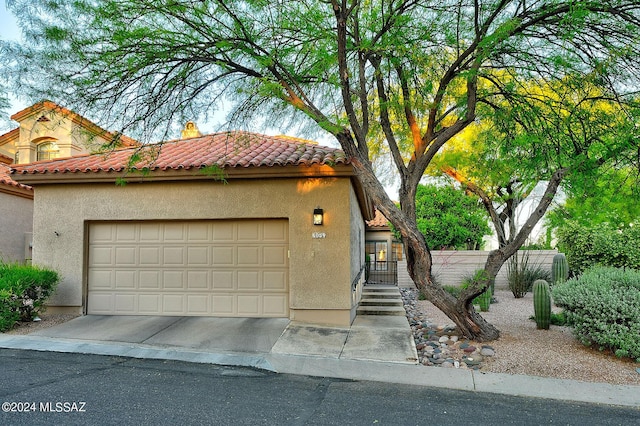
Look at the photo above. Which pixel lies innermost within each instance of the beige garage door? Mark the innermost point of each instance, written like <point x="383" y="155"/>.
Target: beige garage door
<point x="201" y="268"/>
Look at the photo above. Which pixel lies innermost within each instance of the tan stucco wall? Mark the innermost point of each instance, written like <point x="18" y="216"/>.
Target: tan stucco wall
<point x="16" y="220"/>
<point x="71" y="138"/>
<point x="321" y="269"/>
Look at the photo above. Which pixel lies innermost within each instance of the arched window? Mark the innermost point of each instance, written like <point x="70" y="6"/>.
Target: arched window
<point x="47" y="151"/>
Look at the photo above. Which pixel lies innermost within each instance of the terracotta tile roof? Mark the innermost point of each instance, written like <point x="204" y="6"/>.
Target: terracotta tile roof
<point x="226" y="150"/>
<point x="379" y="221"/>
<point x="5" y="178"/>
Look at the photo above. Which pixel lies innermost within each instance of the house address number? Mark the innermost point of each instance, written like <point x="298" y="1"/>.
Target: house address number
<point x="319" y="235"/>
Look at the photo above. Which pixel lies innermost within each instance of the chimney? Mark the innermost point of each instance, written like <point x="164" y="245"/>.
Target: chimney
<point x="190" y="130"/>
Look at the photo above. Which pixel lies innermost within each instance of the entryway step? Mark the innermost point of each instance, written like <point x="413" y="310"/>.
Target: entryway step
<point x="377" y="295"/>
<point x="373" y="301"/>
<point x="381" y="310"/>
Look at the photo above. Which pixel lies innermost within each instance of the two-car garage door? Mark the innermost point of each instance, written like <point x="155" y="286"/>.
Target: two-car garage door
<point x="201" y="268"/>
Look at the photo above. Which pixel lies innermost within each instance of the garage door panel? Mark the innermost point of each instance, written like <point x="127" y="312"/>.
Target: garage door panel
<point x="249" y="256"/>
<point x="174" y="232"/>
<point x="198" y="304"/>
<point x="173" y="256"/>
<point x="149" y="280"/>
<point x="101" y="233"/>
<point x="173" y="304"/>
<point x="102" y="256"/>
<point x="274" y="281"/>
<point x="102" y="303"/>
<point x="223" y="256"/>
<point x="209" y="268"/>
<point x="249" y="280"/>
<point x="198" y="232"/>
<point x="275" y="231"/>
<point x="124" y="303"/>
<point x="125" y="256"/>
<point x="249" y="231"/>
<point x="274" y="256"/>
<point x="126" y="279"/>
<point x="149" y="304"/>
<point x="223" y="280"/>
<point x="197" y="280"/>
<point x="249" y="305"/>
<point x="149" y="256"/>
<point x="126" y="232"/>
<point x="198" y="256"/>
<point x="102" y="279"/>
<point x="173" y="280"/>
<point x="150" y="232"/>
<point x="223" y="305"/>
<point x="276" y="305"/>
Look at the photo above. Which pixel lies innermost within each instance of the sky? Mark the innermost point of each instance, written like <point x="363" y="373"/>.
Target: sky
<point x="9" y="31"/>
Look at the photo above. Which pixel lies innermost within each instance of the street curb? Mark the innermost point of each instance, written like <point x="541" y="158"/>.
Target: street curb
<point x="351" y="369"/>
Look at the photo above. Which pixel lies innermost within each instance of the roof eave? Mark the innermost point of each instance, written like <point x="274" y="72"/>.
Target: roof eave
<point x="304" y="171"/>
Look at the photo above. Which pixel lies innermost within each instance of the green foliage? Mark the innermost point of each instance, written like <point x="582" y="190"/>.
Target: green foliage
<point x="450" y="219"/>
<point x="558" y="319"/>
<point x="559" y="269"/>
<point x="23" y="292"/>
<point x="521" y="274"/>
<point x="609" y="197"/>
<point x="453" y="290"/>
<point x="484" y="299"/>
<point x="602" y="308"/>
<point x="600" y="244"/>
<point x="542" y="304"/>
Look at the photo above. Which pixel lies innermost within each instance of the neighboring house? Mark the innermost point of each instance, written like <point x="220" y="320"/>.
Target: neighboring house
<point x="178" y="240"/>
<point x="16" y="216"/>
<point x="45" y="131"/>
<point x="383" y="251"/>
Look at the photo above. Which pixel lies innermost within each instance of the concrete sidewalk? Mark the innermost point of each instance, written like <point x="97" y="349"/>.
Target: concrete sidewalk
<point x="374" y="348"/>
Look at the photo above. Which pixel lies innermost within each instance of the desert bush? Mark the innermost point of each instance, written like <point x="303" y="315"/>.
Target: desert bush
<point x="602" y="307"/>
<point x="521" y="274"/>
<point x="23" y="292"/>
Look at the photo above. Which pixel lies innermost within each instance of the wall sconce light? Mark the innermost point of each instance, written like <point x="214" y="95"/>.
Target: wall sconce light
<point x="318" y="214"/>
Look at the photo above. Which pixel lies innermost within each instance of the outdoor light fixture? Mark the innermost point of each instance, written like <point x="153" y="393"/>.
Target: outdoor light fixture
<point x="318" y="216"/>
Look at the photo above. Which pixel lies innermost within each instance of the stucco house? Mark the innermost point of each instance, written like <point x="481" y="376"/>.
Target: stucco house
<point x="229" y="224"/>
<point x="45" y="131"/>
<point x="383" y="251"/>
<point x="16" y="216"/>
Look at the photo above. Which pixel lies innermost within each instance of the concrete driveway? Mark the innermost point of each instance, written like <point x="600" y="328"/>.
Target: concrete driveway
<point x="205" y="334"/>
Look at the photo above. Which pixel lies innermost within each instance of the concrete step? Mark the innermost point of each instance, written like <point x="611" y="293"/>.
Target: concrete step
<point x="381" y="287"/>
<point x="367" y="301"/>
<point x="381" y="310"/>
<point x="366" y="294"/>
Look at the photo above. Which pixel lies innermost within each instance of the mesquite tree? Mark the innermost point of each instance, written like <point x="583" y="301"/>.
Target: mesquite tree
<point x="413" y="71"/>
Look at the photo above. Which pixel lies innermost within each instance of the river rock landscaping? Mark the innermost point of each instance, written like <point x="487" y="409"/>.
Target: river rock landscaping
<point x="441" y="344"/>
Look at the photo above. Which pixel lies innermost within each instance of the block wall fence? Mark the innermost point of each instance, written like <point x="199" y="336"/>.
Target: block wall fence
<point x="450" y="267"/>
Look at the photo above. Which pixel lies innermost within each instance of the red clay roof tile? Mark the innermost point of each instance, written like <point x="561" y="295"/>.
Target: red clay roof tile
<point x="227" y="149"/>
<point x="379" y="221"/>
<point x="5" y="178"/>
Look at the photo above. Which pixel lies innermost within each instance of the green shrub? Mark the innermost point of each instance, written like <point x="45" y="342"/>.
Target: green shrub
<point x="453" y="290"/>
<point x="23" y="292"/>
<point x="600" y="245"/>
<point x="602" y="306"/>
<point x="484" y="299"/>
<point x="521" y="274"/>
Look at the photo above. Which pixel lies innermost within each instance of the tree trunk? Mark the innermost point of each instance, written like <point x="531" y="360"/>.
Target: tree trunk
<point x="461" y="311"/>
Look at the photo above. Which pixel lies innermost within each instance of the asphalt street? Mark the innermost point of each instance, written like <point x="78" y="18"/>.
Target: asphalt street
<point x="38" y="388"/>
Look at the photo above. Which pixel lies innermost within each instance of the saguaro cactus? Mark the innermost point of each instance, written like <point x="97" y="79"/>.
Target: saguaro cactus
<point x="559" y="269"/>
<point x="542" y="304"/>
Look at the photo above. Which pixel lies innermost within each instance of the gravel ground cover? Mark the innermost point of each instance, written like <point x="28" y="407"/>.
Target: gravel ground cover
<point x="523" y="349"/>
